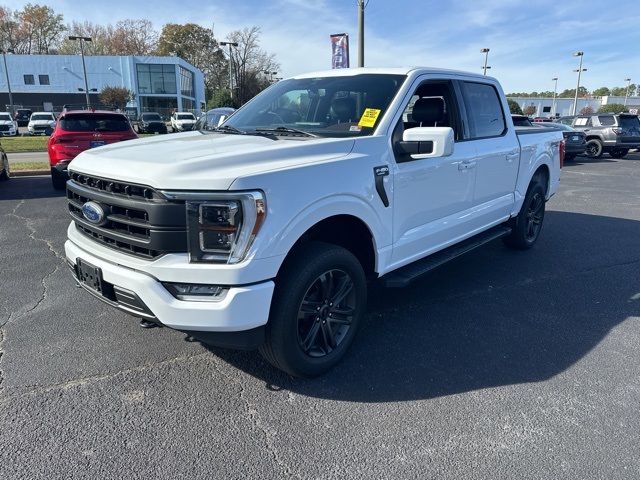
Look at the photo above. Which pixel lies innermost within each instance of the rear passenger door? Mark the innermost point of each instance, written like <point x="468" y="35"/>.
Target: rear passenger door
<point x="498" y="152"/>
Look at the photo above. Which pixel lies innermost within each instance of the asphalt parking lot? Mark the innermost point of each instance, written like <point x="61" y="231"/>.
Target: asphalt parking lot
<point x="501" y="365"/>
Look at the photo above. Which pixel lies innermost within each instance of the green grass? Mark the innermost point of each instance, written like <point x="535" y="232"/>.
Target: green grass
<point x="18" y="166"/>
<point x="24" y="144"/>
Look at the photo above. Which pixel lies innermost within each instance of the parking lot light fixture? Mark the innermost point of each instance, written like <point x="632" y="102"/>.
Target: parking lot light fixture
<point x="626" y="95"/>
<point x="579" y="70"/>
<point x="230" y="44"/>
<point x="84" y="67"/>
<point x="6" y="72"/>
<point x="555" y="92"/>
<point x="486" y="58"/>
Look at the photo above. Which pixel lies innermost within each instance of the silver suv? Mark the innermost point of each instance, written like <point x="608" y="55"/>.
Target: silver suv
<point x="606" y="132"/>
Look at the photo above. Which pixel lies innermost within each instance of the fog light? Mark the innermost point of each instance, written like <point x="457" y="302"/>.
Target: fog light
<point x="195" y="292"/>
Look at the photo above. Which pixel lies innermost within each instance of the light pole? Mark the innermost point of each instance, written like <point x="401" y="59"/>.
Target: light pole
<point x="626" y="95"/>
<point x="486" y="58"/>
<point x="579" y="70"/>
<point x="361" y="6"/>
<point x="84" y="66"/>
<point x="6" y="71"/>
<point x="271" y="74"/>
<point x="230" y="44"/>
<point x="555" y="91"/>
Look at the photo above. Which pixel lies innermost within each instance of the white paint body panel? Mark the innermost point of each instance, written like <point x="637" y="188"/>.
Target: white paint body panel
<point x="434" y="202"/>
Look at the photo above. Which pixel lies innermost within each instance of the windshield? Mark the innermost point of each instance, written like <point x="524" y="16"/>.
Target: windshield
<point x="151" y="116"/>
<point x="41" y="116"/>
<point x="4" y="117"/>
<point x="326" y="106"/>
<point x="92" y="122"/>
<point x="186" y="116"/>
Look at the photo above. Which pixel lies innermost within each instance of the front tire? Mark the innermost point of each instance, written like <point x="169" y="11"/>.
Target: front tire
<point x="58" y="180"/>
<point x="594" y="148"/>
<point x="318" y="304"/>
<point x="4" y="174"/>
<point x="527" y="225"/>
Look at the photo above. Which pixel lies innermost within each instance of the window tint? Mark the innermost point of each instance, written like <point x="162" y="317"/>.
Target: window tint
<point x="94" y="123"/>
<point x="185" y="116"/>
<point x="629" y="122"/>
<point x="484" y="110"/>
<point x="42" y="116"/>
<point x="43" y="79"/>
<point x="151" y="116"/>
<point x="29" y="80"/>
<point x="5" y="117"/>
<point x="606" y="120"/>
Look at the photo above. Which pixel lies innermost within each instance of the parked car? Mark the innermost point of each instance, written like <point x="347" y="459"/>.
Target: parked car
<point x="22" y="116"/>
<point x="182" y="121"/>
<point x="8" y="126"/>
<point x="263" y="233"/>
<point x="542" y="119"/>
<point x="609" y="133"/>
<point x="213" y="118"/>
<point x="150" y="122"/>
<point x="521" y="121"/>
<point x="4" y="165"/>
<point x="41" y="123"/>
<point x="575" y="141"/>
<point x="80" y="130"/>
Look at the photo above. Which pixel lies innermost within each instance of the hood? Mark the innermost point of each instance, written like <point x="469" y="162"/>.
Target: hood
<point x="40" y="122"/>
<point x="203" y="161"/>
<point x="6" y="122"/>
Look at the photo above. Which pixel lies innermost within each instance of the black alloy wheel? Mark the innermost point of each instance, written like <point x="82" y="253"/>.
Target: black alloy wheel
<point x="326" y="313"/>
<point x="534" y="216"/>
<point x="594" y="148"/>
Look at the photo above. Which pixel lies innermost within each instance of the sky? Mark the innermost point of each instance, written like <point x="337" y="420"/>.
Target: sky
<point x="530" y="41"/>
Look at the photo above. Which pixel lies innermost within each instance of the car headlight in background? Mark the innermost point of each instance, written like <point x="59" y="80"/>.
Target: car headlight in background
<point x="221" y="227"/>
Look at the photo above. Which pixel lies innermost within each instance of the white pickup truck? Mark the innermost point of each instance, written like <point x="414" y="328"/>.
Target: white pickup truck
<point x="264" y="233"/>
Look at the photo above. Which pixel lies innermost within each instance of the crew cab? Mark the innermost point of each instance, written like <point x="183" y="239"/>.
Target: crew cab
<point x="182" y="121"/>
<point x="8" y="126"/>
<point x="79" y="130"/>
<point x="41" y="123"/>
<point x="265" y="232"/>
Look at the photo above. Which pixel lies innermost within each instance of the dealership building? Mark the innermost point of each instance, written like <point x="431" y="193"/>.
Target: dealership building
<point x="47" y="82"/>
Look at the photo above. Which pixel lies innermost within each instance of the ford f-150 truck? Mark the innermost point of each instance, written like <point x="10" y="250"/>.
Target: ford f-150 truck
<point x="264" y="232"/>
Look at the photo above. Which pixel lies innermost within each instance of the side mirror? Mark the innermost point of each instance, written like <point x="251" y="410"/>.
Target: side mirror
<point x="427" y="142"/>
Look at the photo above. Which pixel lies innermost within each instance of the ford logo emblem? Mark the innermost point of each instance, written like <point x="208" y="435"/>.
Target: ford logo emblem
<point x="93" y="212"/>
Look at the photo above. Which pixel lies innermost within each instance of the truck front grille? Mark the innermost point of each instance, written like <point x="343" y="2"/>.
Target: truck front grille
<point x="138" y="220"/>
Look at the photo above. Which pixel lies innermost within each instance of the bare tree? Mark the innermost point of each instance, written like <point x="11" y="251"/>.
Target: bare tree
<point x="250" y="62"/>
<point x="40" y="28"/>
<point x="10" y="35"/>
<point x="127" y="37"/>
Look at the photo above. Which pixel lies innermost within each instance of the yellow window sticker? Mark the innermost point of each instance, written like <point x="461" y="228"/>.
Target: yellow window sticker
<point x="369" y="117"/>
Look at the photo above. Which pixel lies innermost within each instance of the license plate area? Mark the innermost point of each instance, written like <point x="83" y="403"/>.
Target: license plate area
<point x="96" y="143"/>
<point x="90" y="276"/>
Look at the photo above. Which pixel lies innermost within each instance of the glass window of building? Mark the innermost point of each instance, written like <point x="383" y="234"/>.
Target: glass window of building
<point x="43" y="79"/>
<point x="156" y="79"/>
<point x="186" y="82"/>
<point x="29" y="80"/>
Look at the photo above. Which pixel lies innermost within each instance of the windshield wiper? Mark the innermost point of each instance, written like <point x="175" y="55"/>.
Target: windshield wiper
<point x="229" y="129"/>
<point x="286" y="130"/>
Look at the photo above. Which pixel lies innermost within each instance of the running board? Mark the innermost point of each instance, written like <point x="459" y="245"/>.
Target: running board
<point x="405" y="275"/>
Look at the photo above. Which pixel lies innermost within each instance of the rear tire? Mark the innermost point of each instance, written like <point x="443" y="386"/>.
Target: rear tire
<point x="527" y="225"/>
<point x="58" y="180"/>
<point x="4" y="174"/>
<point x="594" y="148"/>
<point x="619" y="152"/>
<point x="318" y="304"/>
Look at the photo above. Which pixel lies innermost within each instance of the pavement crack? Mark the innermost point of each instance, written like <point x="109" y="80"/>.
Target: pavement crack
<point x="252" y="414"/>
<point x="28" y="223"/>
<point x="84" y="381"/>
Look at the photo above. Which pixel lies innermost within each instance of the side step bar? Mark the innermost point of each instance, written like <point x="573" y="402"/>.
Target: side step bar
<point x="405" y="275"/>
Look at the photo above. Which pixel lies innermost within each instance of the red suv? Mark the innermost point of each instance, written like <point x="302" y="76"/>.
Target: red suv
<point x="77" y="131"/>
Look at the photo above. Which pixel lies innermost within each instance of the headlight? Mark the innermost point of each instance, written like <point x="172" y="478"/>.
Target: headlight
<point x="222" y="226"/>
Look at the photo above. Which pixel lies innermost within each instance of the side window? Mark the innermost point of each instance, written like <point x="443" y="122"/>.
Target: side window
<point x="484" y="110"/>
<point x="582" y="122"/>
<point x="606" y="120"/>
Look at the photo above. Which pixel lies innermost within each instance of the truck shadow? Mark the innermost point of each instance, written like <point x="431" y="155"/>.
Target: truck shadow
<point x="26" y="188"/>
<point x="494" y="317"/>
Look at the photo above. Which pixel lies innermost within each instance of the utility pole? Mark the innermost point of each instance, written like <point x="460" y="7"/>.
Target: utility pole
<point x="626" y="95"/>
<point x="579" y="70"/>
<point x="84" y="66"/>
<point x="486" y="58"/>
<point x="6" y="71"/>
<point x="230" y="44"/>
<point x="555" y="91"/>
<point x="361" y="7"/>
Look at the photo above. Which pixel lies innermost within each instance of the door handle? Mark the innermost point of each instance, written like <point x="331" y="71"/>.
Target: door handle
<point x="512" y="156"/>
<point x="467" y="165"/>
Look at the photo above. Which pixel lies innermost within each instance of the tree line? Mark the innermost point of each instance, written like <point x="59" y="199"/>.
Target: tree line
<point x="38" y="29"/>
<point x="582" y="93"/>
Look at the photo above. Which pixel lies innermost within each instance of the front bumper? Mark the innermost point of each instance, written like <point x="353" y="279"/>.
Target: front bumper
<point x="245" y="308"/>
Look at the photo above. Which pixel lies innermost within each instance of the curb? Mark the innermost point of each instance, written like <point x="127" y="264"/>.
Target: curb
<point x="29" y="173"/>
